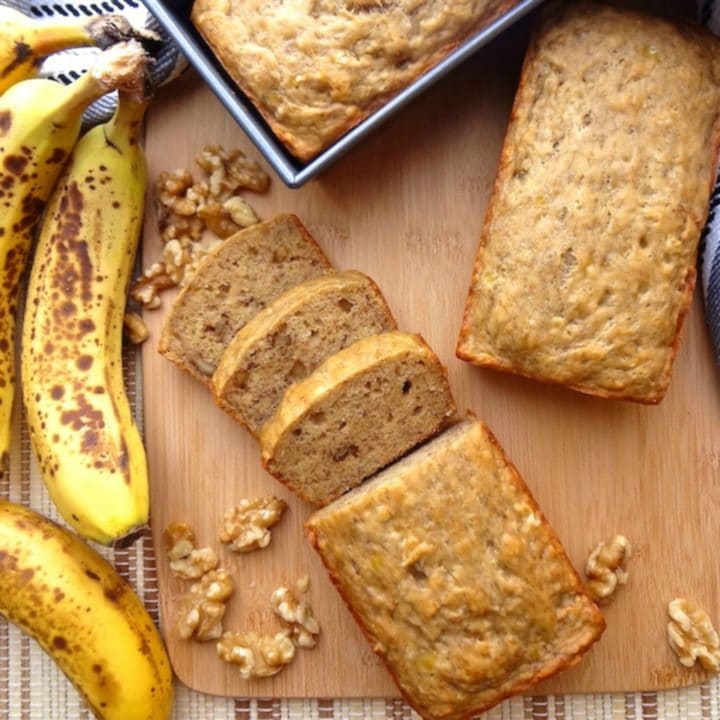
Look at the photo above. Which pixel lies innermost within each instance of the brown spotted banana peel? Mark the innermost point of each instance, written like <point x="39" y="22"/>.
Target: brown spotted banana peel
<point x="89" y="448"/>
<point x="26" y="42"/>
<point x="39" y="124"/>
<point x="84" y="615"/>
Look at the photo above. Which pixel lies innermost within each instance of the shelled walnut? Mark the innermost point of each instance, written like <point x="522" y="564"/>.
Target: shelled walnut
<point x="194" y="217"/>
<point x="186" y="561"/>
<point x="257" y="655"/>
<point x="605" y="568"/>
<point x="246" y="526"/>
<point x="297" y="615"/>
<point x="202" y="609"/>
<point x="692" y="636"/>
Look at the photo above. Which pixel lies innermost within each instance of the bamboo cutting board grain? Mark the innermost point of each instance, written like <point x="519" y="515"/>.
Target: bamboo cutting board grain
<point x="407" y="208"/>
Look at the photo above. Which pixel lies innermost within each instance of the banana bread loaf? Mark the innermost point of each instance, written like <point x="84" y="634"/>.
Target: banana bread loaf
<point x="455" y="576"/>
<point x="287" y="340"/>
<point x="586" y="264"/>
<point x="233" y="283"/>
<point x="361" y="409"/>
<point x="314" y="70"/>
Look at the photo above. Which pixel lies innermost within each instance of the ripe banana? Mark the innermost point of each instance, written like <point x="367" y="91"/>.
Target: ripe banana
<point x="39" y="124"/>
<point x="90" y="450"/>
<point x="84" y="615"/>
<point x="25" y="42"/>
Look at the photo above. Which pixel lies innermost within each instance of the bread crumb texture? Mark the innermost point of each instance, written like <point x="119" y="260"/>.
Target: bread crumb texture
<point x="316" y="68"/>
<point x="231" y="285"/>
<point x="361" y="409"/>
<point x="286" y="341"/>
<point x="455" y="576"/>
<point x="586" y="263"/>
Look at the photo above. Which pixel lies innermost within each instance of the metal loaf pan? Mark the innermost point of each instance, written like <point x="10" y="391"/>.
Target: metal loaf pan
<point x="174" y="16"/>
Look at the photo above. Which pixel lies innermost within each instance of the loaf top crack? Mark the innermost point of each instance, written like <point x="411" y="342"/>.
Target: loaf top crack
<point x="586" y="264"/>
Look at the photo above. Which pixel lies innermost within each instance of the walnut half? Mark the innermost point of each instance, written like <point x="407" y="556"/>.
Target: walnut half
<point x="605" y="568"/>
<point x="297" y="615"/>
<point x="692" y="636"/>
<point x="186" y="561"/>
<point x="247" y="526"/>
<point x="203" y="608"/>
<point x="257" y="655"/>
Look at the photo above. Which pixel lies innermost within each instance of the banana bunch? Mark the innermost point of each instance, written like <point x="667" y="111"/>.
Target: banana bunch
<point x="84" y="615"/>
<point x="25" y="43"/>
<point x="90" y="450"/>
<point x="39" y="125"/>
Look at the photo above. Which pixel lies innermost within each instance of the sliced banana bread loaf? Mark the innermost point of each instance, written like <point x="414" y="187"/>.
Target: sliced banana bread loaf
<point x="235" y="282"/>
<point x="360" y="410"/>
<point x="287" y="340"/>
<point x="455" y="576"/>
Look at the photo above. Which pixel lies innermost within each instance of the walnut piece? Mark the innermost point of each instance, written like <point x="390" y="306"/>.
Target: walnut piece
<point x="189" y="211"/>
<point x="135" y="329"/>
<point x="186" y="561"/>
<point x="692" y="636"/>
<point x="240" y="212"/>
<point x="605" y="568"/>
<point x="231" y="171"/>
<point x="246" y="526"/>
<point x="203" y="607"/>
<point x="257" y="655"/>
<point x="297" y="615"/>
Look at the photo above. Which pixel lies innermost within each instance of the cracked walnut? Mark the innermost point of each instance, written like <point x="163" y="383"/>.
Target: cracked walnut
<point x="605" y="568"/>
<point x="247" y="526"/>
<point x="692" y="636"/>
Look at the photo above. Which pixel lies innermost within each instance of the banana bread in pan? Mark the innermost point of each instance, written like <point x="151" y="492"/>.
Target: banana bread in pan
<point x="315" y="69"/>
<point x="455" y="576"/>
<point x="586" y="264"/>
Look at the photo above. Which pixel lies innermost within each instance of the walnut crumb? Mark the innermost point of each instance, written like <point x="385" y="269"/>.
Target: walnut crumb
<point x="189" y="211"/>
<point x="186" y="561"/>
<point x="135" y="329"/>
<point x="692" y="636"/>
<point x="605" y="568"/>
<point x="297" y="615"/>
<point x="247" y="526"/>
<point x="202" y="608"/>
<point x="257" y="655"/>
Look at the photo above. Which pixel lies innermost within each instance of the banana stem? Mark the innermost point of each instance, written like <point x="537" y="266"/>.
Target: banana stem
<point x="122" y="66"/>
<point x="107" y="30"/>
<point x="125" y="125"/>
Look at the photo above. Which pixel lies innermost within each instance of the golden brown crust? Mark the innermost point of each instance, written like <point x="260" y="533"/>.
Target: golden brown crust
<point x="533" y="350"/>
<point x="338" y="531"/>
<point x="315" y="73"/>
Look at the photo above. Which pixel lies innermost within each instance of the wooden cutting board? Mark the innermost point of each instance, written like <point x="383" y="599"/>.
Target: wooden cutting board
<point x="406" y="208"/>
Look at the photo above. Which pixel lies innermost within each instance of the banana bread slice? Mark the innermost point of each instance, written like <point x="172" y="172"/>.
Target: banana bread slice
<point x="455" y="576"/>
<point x="361" y="409"/>
<point x="287" y="340"/>
<point x="233" y="283"/>
<point x="586" y="265"/>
